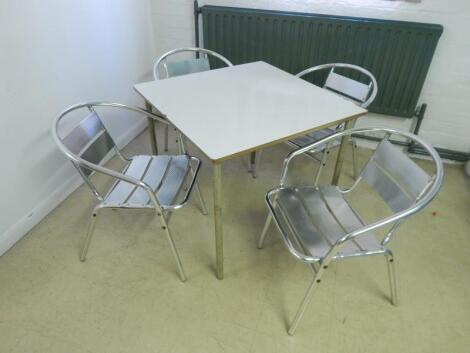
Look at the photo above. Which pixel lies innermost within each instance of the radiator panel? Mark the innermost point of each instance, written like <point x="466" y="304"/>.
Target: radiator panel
<point x="397" y="53"/>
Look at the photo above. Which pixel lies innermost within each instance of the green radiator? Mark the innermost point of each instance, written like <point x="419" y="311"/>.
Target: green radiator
<point x="397" y="53"/>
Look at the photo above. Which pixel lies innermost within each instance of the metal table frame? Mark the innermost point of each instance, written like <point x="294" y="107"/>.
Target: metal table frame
<point x="217" y="184"/>
<point x="244" y="83"/>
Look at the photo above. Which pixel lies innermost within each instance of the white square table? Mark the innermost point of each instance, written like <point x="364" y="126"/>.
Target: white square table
<point x="237" y="110"/>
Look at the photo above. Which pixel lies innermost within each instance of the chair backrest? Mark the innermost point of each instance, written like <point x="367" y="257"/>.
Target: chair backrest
<point x="188" y="66"/>
<point x="395" y="177"/>
<point x="89" y="143"/>
<point x="359" y="92"/>
<point x="89" y="140"/>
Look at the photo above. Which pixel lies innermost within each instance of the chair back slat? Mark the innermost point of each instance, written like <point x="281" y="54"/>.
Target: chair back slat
<point x="347" y="87"/>
<point x="98" y="149"/>
<point x="89" y="140"/>
<point x="83" y="133"/>
<point x="185" y="67"/>
<point x="350" y="84"/>
<point x="394" y="176"/>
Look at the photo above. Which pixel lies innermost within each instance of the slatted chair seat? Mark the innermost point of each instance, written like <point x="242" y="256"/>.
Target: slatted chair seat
<point x="164" y="174"/>
<point x="318" y="217"/>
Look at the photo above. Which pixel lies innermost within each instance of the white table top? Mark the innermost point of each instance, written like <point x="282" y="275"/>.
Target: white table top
<point x="235" y="110"/>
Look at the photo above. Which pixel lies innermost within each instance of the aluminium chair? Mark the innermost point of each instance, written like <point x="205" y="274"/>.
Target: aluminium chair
<point x="320" y="224"/>
<point x="356" y="91"/>
<point x="161" y="184"/>
<point x="184" y="67"/>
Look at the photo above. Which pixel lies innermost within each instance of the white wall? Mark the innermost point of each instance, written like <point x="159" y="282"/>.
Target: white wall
<point x="447" y="87"/>
<point x="53" y="54"/>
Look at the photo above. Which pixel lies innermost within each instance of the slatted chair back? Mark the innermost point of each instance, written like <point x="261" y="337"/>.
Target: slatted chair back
<point x="359" y="92"/>
<point x="395" y="177"/>
<point x="89" y="144"/>
<point x="188" y="66"/>
<point x="90" y="140"/>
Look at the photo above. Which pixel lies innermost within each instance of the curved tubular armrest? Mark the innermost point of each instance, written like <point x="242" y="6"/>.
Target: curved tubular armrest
<point x="299" y="151"/>
<point x="182" y="50"/>
<point x="421" y="203"/>
<point x="375" y="86"/>
<point x="397" y="217"/>
<point x="160" y="118"/>
<point x="432" y="152"/>
<point x="285" y="238"/>
<point x="98" y="168"/>
<point x="188" y="192"/>
<point x="112" y="173"/>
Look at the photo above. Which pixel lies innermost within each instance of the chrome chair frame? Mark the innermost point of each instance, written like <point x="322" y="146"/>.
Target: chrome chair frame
<point x="364" y="103"/>
<point x="162" y="60"/>
<point x="86" y="168"/>
<point x="369" y="98"/>
<point x="318" y="264"/>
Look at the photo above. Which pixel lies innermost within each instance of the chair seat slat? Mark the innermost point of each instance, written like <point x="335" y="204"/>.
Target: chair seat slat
<point x="122" y="190"/>
<point x="349" y="219"/>
<point x="320" y="217"/>
<point x="151" y="170"/>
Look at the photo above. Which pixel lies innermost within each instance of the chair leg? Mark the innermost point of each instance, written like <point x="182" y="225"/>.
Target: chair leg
<point x="198" y="190"/>
<point x="173" y="247"/>
<point x="251" y="162"/>
<point x="201" y="199"/>
<point x="264" y="232"/>
<point x="167" y="129"/>
<point x="354" y="161"/>
<point x="167" y="215"/>
<point x="303" y="306"/>
<point x="392" y="276"/>
<point x="255" y="163"/>
<point x="91" y="228"/>
<point x="322" y="164"/>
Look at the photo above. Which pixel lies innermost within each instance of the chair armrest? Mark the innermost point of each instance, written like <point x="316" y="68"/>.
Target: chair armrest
<point x="302" y="150"/>
<point x="194" y="172"/>
<point x="292" y="249"/>
<point x="112" y="173"/>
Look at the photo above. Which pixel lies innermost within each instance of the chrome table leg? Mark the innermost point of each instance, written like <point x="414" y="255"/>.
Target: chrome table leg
<point x="219" y="249"/>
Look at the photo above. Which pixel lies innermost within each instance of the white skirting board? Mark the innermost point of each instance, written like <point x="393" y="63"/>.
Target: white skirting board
<point x="41" y="210"/>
